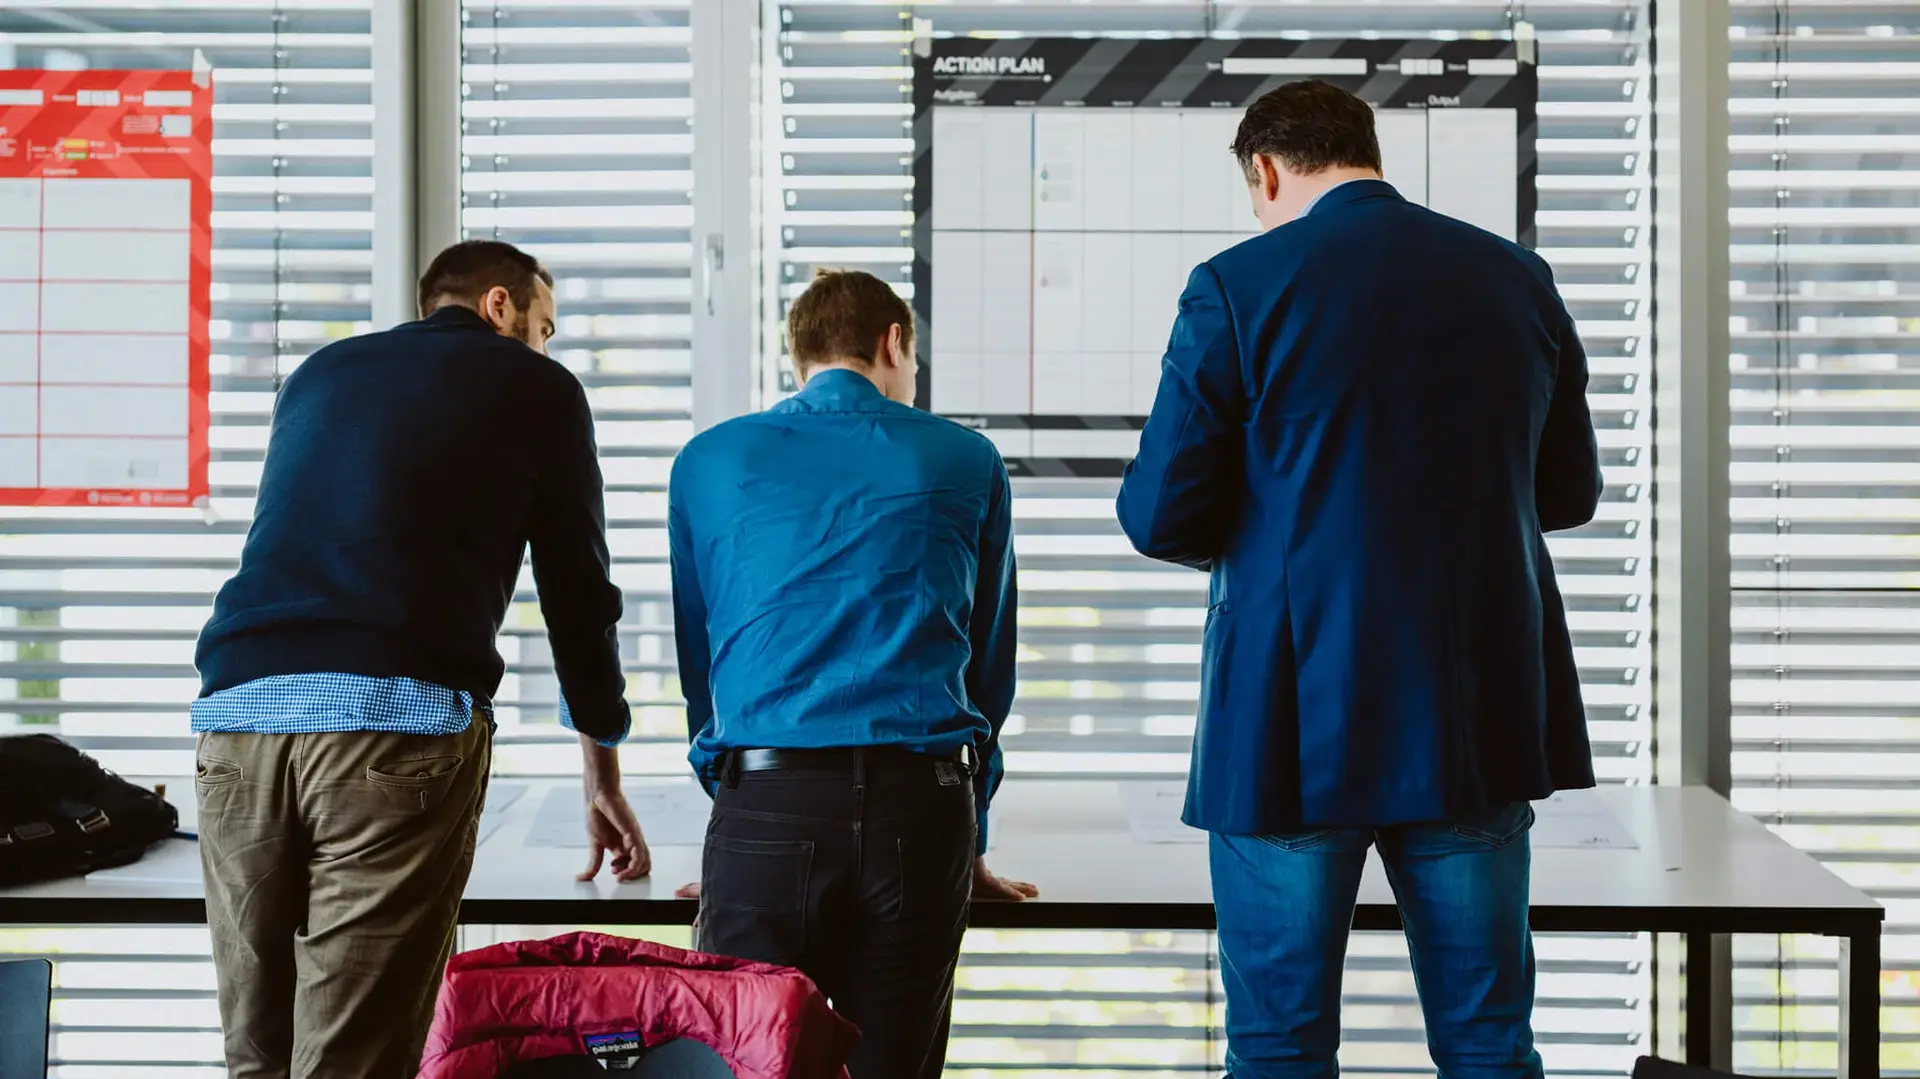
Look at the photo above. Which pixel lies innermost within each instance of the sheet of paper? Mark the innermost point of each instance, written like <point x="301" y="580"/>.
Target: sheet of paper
<point x="672" y="813"/>
<point x="1579" y="820"/>
<point x="1153" y="812"/>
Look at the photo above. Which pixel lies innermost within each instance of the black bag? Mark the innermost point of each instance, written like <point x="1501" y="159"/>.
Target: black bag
<point x="62" y="815"/>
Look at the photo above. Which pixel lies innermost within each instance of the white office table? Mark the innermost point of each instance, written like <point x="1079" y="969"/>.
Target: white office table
<point x="1695" y="867"/>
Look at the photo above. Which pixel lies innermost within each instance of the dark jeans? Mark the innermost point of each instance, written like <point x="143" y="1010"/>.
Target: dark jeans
<point x="1285" y="904"/>
<point x="859" y="874"/>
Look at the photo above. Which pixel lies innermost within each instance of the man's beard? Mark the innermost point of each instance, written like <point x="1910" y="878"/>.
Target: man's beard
<point x="521" y="329"/>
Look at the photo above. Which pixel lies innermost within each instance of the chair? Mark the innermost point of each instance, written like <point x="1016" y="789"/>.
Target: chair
<point x="682" y="1058"/>
<point x="26" y="1006"/>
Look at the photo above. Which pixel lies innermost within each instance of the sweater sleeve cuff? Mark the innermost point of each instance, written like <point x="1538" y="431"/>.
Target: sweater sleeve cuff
<point x="624" y="725"/>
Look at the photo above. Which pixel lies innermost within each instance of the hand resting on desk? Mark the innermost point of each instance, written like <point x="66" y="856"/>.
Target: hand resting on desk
<point x="612" y="829"/>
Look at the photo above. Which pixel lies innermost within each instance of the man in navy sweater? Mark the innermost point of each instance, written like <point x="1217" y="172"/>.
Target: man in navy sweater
<point x="349" y="668"/>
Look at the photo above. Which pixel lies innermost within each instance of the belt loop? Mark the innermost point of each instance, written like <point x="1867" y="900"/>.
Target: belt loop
<point x="730" y="769"/>
<point x="859" y="767"/>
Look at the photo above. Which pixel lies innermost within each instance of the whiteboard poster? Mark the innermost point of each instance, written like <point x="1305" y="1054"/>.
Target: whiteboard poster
<point x="1065" y="187"/>
<point x="105" y="276"/>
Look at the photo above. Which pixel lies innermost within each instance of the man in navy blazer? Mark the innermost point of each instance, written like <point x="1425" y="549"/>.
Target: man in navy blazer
<point x="1368" y="417"/>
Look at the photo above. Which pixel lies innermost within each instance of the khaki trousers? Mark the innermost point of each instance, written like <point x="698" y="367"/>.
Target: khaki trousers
<point x="334" y="865"/>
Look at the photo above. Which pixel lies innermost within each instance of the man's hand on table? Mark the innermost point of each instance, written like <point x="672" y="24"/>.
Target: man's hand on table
<point x="612" y="829"/>
<point x="987" y="885"/>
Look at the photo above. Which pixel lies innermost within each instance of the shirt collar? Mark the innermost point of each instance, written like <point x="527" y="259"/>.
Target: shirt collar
<point x="1308" y="208"/>
<point x="839" y="386"/>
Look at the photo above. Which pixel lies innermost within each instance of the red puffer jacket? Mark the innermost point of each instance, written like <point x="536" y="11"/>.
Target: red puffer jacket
<point x="541" y="998"/>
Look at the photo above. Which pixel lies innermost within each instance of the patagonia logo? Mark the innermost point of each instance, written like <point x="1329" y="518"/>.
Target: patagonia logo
<point x="616" y="1051"/>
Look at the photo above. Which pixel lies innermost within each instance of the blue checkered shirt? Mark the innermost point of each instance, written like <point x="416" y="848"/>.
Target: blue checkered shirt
<point x="315" y="703"/>
<point x="321" y="703"/>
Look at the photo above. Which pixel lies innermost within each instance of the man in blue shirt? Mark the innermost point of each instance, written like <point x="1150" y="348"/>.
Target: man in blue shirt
<point x="844" y="600"/>
<point x="1367" y="417"/>
<point x="349" y="668"/>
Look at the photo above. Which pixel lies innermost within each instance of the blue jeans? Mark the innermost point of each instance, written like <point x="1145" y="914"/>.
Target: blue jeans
<point x="1285" y="905"/>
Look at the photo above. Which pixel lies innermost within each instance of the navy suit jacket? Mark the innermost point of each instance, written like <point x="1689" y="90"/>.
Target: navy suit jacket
<point x="1367" y="419"/>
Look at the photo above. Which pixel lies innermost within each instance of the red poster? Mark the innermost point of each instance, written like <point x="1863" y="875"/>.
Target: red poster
<point x="106" y="247"/>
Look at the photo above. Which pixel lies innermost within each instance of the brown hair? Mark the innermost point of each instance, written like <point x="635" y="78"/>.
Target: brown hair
<point x="470" y="269"/>
<point x="840" y="317"/>
<point x="1310" y="126"/>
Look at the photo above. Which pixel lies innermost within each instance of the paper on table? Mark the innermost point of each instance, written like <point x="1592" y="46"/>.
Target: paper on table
<point x="1578" y="820"/>
<point x="672" y="814"/>
<point x="1568" y="820"/>
<point x="1153" y="812"/>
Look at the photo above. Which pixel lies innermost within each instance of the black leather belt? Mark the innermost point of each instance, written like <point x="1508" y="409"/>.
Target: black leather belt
<point x="844" y="758"/>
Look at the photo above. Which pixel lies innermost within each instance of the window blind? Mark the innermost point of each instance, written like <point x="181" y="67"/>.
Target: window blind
<point x="1825" y="216"/>
<point x="99" y="608"/>
<point x="1110" y="642"/>
<point x="577" y="145"/>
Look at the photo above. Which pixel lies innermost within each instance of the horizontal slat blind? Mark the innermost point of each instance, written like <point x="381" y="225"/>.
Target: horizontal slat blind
<point x="1825" y="160"/>
<point x="578" y="146"/>
<point x="99" y="608"/>
<point x="1110" y="642"/>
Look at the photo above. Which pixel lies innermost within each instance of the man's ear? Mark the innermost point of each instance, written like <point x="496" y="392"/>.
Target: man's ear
<point x="897" y="344"/>
<point x="496" y="306"/>
<point x="1269" y="176"/>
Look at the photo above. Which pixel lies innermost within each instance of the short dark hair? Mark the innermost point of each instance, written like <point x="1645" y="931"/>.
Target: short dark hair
<point x="471" y="268"/>
<point x="1310" y="126"/>
<point x="841" y="315"/>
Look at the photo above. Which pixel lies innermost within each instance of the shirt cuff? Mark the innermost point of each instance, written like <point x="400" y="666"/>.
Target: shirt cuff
<point x="980" y="833"/>
<point x="610" y="742"/>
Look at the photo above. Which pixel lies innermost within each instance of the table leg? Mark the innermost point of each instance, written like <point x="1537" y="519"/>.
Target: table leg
<point x="1709" y="1015"/>
<point x="1860" y="1005"/>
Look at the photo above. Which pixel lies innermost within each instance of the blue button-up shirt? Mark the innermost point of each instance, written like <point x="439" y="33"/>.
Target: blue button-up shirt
<point x="843" y="575"/>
